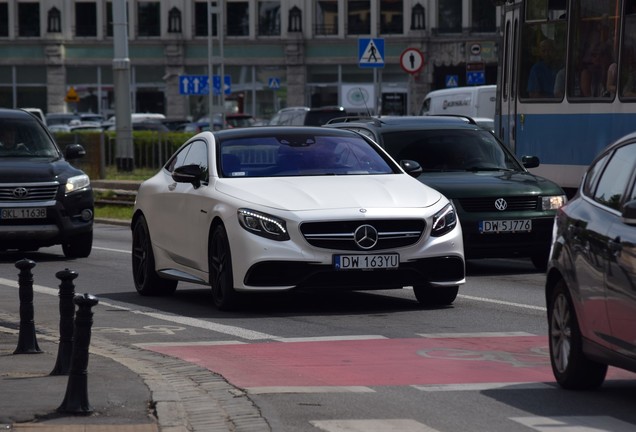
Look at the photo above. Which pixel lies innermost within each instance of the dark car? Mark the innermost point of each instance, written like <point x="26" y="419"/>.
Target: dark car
<point x="591" y="281"/>
<point x="44" y="200"/>
<point x="305" y="116"/>
<point x="505" y="211"/>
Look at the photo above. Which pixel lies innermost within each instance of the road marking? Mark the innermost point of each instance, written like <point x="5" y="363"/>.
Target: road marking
<point x="483" y="386"/>
<point x="375" y="425"/>
<point x="502" y="302"/>
<point x="475" y="335"/>
<point x="575" y="423"/>
<point x="192" y="322"/>
<point x="308" y="389"/>
<point x="330" y="338"/>
<point x="112" y="250"/>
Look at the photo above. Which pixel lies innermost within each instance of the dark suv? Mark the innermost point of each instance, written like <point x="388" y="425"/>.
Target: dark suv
<point x="504" y="210"/>
<point x="44" y="200"/>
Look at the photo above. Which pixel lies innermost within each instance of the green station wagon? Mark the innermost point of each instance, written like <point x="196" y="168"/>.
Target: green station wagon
<point x="504" y="210"/>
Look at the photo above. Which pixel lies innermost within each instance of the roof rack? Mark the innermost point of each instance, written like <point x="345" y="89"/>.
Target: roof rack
<point x="469" y="119"/>
<point x="349" y="119"/>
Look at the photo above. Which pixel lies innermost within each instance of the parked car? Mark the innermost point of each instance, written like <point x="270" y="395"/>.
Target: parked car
<point x="591" y="280"/>
<point x="305" y="116"/>
<point x="226" y="121"/>
<point x="268" y="209"/>
<point x="37" y="112"/>
<point x="505" y="211"/>
<point x="44" y="200"/>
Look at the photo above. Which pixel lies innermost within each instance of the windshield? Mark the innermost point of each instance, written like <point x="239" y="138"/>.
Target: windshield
<point x="25" y="138"/>
<point x="301" y="155"/>
<point x="450" y="150"/>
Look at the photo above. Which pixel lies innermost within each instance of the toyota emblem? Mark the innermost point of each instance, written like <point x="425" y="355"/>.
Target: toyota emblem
<point x="365" y="236"/>
<point x="20" y="192"/>
<point x="501" y="204"/>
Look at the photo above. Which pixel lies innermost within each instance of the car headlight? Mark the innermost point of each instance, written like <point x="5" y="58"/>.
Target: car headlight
<point x="77" y="183"/>
<point x="263" y="224"/>
<point x="553" y="202"/>
<point x="444" y="221"/>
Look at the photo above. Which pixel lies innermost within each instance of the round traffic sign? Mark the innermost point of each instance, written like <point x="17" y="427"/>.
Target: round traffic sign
<point x="412" y="60"/>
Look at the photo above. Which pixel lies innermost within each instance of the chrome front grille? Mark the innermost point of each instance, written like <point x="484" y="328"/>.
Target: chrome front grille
<point x="28" y="192"/>
<point x="487" y="204"/>
<point x="340" y="235"/>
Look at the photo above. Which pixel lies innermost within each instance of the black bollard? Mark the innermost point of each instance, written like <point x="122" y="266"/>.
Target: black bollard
<point x="67" y="314"/>
<point x="27" y="342"/>
<point x="76" y="398"/>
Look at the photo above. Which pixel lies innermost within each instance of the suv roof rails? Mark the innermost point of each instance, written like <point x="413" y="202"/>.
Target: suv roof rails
<point x="469" y="119"/>
<point x="350" y="119"/>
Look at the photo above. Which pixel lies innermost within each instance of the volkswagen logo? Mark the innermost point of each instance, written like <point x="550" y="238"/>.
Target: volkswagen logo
<point x="501" y="204"/>
<point x="365" y="236"/>
<point x="20" y="192"/>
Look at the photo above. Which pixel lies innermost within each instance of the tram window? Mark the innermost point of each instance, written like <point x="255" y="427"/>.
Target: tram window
<point x="543" y="42"/>
<point x="593" y="54"/>
<point x="627" y="73"/>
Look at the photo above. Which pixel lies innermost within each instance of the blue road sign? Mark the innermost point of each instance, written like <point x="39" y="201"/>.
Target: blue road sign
<point x="193" y="84"/>
<point x="371" y="53"/>
<point x="274" y="83"/>
<point x="216" y="84"/>
<point x="452" y="80"/>
<point x="475" y="78"/>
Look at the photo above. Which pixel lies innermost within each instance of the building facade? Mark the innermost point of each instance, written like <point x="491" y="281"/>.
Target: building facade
<point x="57" y="55"/>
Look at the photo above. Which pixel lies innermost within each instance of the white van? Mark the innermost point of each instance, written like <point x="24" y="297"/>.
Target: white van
<point x="474" y="101"/>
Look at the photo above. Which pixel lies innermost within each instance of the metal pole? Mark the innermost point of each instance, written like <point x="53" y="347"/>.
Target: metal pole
<point x="210" y="71"/>
<point x="221" y="28"/>
<point x="121" y="78"/>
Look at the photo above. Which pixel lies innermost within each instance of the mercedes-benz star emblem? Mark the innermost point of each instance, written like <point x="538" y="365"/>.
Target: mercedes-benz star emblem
<point x="20" y="192"/>
<point x="501" y="204"/>
<point x="365" y="236"/>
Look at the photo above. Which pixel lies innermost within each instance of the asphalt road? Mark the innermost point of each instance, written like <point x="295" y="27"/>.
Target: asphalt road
<point x="360" y="361"/>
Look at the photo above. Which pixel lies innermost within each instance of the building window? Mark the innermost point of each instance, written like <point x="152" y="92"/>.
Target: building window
<point x="29" y="19"/>
<point x="86" y="19"/>
<point x="201" y="20"/>
<point x="54" y="21"/>
<point x="418" y="17"/>
<point x="269" y="18"/>
<point x="4" y="19"/>
<point x="484" y="15"/>
<point x="148" y="19"/>
<point x="295" y="20"/>
<point x="238" y="19"/>
<point x="174" y="20"/>
<point x="359" y="17"/>
<point x="391" y="17"/>
<point x="109" y="19"/>
<point x="326" y="17"/>
<point x="450" y="16"/>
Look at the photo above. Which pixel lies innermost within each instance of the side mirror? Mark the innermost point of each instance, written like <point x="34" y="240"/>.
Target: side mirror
<point x="74" y="151"/>
<point x="189" y="174"/>
<point x="628" y="213"/>
<point x="530" y="161"/>
<point x="411" y="167"/>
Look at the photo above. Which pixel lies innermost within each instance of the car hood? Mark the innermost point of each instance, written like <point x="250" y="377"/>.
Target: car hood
<point x="489" y="183"/>
<point x="34" y="169"/>
<point x="330" y="192"/>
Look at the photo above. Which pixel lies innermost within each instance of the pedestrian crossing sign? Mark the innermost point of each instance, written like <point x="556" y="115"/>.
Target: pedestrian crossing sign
<point x="371" y="53"/>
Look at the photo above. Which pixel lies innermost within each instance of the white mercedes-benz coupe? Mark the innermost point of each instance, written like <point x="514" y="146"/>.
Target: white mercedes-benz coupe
<point x="266" y="209"/>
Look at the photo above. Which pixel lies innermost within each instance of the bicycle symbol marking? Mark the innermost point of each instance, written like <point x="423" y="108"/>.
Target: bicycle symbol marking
<point x="538" y="356"/>
<point x="150" y="329"/>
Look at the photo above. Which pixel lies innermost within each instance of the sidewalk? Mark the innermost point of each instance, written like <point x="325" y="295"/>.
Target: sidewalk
<point x="129" y="389"/>
<point x="30" y="395"/>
